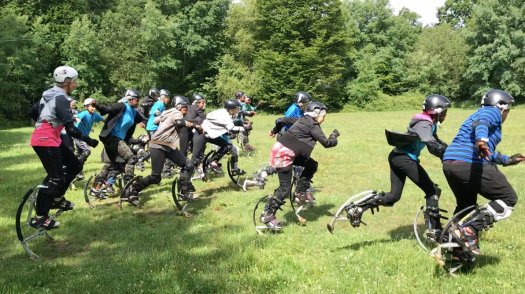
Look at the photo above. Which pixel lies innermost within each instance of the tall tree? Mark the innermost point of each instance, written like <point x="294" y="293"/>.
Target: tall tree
<point x="438" y="62"/>
<point x="381" y="42"/>
<point x="301" y="45"/>
<point x="497" y="58"/>
<point x="456" y="12"/>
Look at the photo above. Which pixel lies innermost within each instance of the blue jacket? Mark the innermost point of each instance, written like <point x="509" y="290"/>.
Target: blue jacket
<point x="86" y="121"/>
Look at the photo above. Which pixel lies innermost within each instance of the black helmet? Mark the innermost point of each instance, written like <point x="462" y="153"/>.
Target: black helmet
<point x="164" y="92"/>
<point x="197" y="97"/>
<point x="239" y="94"/>
<point x="132" y="94"/>
<point x="153" y="92"/>
<point x="435" y="103"/>
<point x="315" y="105"/>
<point x="232" y="104"/>
<point x="180" y="101"/>
<point x="302" y="97"/>
<point x="498" y="98"/>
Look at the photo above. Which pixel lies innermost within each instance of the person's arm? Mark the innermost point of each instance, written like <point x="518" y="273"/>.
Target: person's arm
<point x="424" y="131"/>
<point x="318" y="135"/>
<point x="488" y="118"/>
<point x="112" y="109"/>
<point x="281" y="123"/>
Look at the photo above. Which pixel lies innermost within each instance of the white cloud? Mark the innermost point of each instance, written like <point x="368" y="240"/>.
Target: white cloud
<point x="427" y="9"/>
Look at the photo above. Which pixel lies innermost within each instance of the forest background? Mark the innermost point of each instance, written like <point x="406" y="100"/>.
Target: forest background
<point x="352" y="55"/>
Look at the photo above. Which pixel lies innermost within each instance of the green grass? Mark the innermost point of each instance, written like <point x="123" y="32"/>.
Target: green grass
<point x="152" y="249"/>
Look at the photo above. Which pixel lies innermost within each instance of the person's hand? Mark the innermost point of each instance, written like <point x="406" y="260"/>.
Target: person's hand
<point x="516" y="158"/>
<point x="91" y="142"/>
<point x="252" y="113"/>
<point x="334" y="134"/>
<point x="483" y="150"/>
<point x="141" y="125"/>
<point x="271" y="134"/>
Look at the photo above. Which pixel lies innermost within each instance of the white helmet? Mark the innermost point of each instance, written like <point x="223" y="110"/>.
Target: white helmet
<point x="89" y="101"/>
<point x="63" y="72"/>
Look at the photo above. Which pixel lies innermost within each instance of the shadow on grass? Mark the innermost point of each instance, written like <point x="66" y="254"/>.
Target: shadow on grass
<point x="311" y="214"/>
<point x="135" y="251"/>
<point x="400" y="233"/>
<point x="467" y="269"/>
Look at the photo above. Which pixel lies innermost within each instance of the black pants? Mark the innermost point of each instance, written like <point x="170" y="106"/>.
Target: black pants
<point x="401" y="167"/>
<point x="198" y="144"/>
<point x="286" y="175"/>
<point x="61" y="166"/>
<point x="467" y="180"/>
<point x="158" y="158"/>
<point x="115" y="148"/>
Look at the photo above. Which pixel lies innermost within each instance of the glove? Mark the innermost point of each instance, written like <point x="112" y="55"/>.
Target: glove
<point x="483" y="149"/>
<point x="516" y="158"/>
<point x="334" y="134"/>
<point x="91" y="142"/>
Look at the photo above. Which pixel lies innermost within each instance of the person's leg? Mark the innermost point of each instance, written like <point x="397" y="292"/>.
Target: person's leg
<point x="72" y="166"/>
<point x="131" y="159"/>
<point x="199" y="144"/>
<point x="158" y="157"/>
<point x="278" y="198"/>
<point x="303" y="189"/>
<point x="186" y="171"/>
<point x="184" y="137"/>
<point x="52" y="161"/>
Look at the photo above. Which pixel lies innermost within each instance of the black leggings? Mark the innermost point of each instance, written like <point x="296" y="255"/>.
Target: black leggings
<point x="61" y="166"/>
<point x="401" y="167"/>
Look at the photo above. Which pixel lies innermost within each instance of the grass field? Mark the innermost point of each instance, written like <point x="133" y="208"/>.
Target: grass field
<point x="153" y="249"/>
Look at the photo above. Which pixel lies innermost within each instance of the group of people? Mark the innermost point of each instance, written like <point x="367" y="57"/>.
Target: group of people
<point x="175" y="126"/>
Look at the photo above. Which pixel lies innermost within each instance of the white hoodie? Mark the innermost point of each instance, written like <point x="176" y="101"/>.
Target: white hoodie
<point x="219" y="122"/>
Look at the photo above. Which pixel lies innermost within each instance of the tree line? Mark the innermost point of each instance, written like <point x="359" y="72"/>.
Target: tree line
<point x="355" y="53"/>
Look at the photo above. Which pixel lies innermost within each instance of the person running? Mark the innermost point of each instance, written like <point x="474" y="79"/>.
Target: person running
<point x="300" y="101"/>
<point x="156" y="110"/>
<point x="247" y="110"/>
<point x="469" y="164"/>
<point x="196" y="115"/>
<point x="165" y="144"/>
<point x="217" y="126"/>
<point x="404" y="162"/>
<point x="147" y="103"/>
<point x="295" y="147"/>
<point x="115" y="134"/>
<point x="60" y="162"/>
<point x="85" y="121"/>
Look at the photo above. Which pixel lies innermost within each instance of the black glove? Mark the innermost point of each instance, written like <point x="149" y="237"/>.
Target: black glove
<point x="515" y="159"/>
<point x="91" y="142"/>
<point x="334" y="134"/>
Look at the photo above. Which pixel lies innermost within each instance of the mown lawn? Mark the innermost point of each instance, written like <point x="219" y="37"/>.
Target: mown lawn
<point x="153" y="249"/>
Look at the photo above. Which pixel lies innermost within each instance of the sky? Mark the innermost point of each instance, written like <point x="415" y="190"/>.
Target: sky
<point x="427" y="9"/>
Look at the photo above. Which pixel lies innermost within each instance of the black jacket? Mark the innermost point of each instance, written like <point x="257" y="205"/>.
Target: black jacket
<point x="303" y="135"/>
<point x="195" y="115"/>
<point x="114" y="112"/>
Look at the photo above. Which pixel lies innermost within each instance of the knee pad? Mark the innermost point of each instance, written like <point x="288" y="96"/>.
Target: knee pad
<point x="281" y="193"/>
<point x="54" y="185"/>
<point x="499" y="209"/>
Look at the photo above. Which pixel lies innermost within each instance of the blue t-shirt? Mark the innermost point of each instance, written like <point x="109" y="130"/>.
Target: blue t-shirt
<point x="158" y="106"/>
<point x="125" y="121"/>
<point x="485" y="123"/>
<point x="86" y="121"/>
<point x="294" y="111"/>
